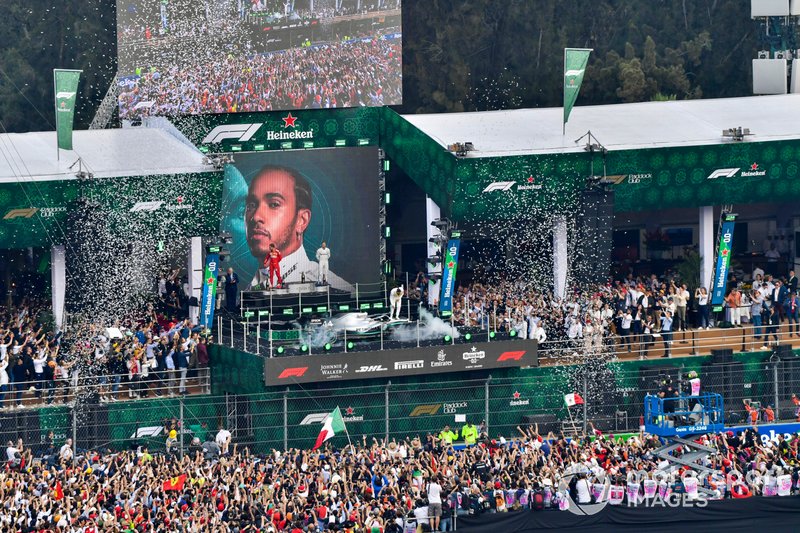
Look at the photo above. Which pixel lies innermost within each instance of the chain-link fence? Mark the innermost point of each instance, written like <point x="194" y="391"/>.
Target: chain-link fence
<point x="613" y="395"/>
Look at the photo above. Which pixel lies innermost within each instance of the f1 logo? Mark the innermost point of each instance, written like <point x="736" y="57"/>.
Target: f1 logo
<point x="431" y="409"/>
<point x="511" y="356"/>
<point x="21" y="213"/>
<point x="499" y="186"/>
<point x="240" y="132"/>
<point x="296" y="372"/>
<point x="314" y="418"/>
<point x="146" y="206"/>
<point x="723" y="173"/>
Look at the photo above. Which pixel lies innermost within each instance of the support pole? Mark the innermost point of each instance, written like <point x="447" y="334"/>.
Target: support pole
<point x="386" y="408"/>
<point x="486" y="403"/>
<point x="286" y="419"/>
<point x="585" y="402"/>
<point x="183" y="425"/>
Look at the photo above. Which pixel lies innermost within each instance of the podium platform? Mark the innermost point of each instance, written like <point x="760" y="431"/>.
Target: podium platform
<point x="308" y="298"/>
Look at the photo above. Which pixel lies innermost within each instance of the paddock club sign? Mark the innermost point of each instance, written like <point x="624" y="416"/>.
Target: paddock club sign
<point x="403" y="362"/>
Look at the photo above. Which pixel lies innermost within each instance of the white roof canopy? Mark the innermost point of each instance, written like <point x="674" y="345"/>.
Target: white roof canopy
<point x="105" y="153"/>
<point x="617" y="127"/>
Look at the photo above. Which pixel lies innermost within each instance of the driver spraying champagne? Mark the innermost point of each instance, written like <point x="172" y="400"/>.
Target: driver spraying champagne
<point x="396" y="302"/>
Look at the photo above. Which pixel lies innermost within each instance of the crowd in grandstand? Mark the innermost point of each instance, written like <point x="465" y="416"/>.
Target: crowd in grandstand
<point x="630" y="314"/>
<point x="369" y="486"/>
<point x="157" y="353"/>
<point x="347" y="74"/>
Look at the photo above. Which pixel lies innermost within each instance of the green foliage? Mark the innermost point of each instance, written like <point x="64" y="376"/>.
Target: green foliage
<point x="459" y="55"/>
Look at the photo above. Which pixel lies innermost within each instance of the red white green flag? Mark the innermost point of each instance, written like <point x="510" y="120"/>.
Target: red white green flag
<point x="333" y="425"/>
<point x="573" y="398"/>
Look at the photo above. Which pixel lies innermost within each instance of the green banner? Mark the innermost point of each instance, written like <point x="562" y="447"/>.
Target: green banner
<point x="66" y="91"/>
<point x="575" y="60"/>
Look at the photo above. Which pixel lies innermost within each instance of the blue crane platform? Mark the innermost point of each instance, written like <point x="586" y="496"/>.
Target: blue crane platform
<point x="684" y="416"/>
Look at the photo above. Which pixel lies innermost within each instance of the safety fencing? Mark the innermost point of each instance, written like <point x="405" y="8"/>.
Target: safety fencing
<point x="613" y="398"/>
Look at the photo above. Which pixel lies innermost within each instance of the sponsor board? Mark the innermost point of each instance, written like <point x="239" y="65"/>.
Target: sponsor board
<point x="28" y="212"/>
<point x="453" y="407"/>
<point x="365" y="369"/>
<point x="247" y="131"/>
<point x="429" y="409"/>
<point x="296" y="372"/>
<point x="503" y="186"/>
<point x="473" y="356"/>
<point x="407" y="365"/>
<point x="399" y="362"/>
<point x="518" y="400"/>
<point x="617" y="179"/>
<point x="441" y="360"/>
<point x="333" y="371"/>
<point x="753" y="171"/>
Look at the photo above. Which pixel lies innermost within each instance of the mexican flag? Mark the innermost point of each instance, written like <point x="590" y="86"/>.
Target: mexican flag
<point x="333" y="425"/>
<point x="573" y="398"/>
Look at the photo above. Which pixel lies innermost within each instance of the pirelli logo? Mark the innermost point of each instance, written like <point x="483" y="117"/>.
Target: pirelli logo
<point x="511" y="356"/>
<point x="21" y="213"/>
<point x="295" y="372"/>
<point x="430" y="409"/>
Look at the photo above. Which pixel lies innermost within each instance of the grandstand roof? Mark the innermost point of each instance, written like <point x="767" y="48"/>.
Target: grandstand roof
<point x="617" y="127"/>
<point x="105" y="153"/>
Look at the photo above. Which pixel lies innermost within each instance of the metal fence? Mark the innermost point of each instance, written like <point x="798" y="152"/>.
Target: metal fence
<point x="613" y="396"/>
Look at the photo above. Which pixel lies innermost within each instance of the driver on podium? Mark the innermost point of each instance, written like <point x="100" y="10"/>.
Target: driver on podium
<point x="278" y="212"/>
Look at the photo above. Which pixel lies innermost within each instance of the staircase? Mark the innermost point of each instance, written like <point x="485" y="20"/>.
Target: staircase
<point x="105" y="112"/>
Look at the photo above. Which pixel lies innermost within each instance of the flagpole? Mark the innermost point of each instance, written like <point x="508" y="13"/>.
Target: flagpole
<point x="563" y="96"/>
<point x="55" y="109"/>
<point x="345" y="430"/>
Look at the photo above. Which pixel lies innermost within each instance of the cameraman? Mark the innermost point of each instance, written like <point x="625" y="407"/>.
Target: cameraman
<point x="667" y="393"/>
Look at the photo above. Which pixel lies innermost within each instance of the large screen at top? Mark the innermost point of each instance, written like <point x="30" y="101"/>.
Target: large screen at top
<point x="185" y="57"/>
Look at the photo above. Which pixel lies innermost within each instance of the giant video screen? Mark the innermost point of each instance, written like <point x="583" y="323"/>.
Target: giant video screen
<point x="297" y="200"/>
<point x="184" y="57"/>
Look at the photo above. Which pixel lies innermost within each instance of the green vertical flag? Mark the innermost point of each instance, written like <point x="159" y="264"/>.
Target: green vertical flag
<point x="66" y="91"/>
<point x="575" y="60"/>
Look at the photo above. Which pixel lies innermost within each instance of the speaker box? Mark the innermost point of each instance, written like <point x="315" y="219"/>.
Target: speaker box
<point x="726" y="379"/>
<point x="595" y="235"/>
<point x="722" y="356"/>
<point x="788" y="375"/>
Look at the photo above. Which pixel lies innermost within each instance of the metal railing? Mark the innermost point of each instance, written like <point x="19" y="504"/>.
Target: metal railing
<point x="613" y="395"/>
<point x="40" y="392"/>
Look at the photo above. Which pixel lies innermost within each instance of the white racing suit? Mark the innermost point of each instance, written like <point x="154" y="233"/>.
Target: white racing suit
<point x="323" y="257"/>
<point x="396" y="302"/>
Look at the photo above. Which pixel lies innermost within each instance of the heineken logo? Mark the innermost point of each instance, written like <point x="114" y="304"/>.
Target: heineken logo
<point x="289" y="120"/>
<point x="530" y="185"/>
<point x="753" y="171"/>
<point x="518" y="400"/>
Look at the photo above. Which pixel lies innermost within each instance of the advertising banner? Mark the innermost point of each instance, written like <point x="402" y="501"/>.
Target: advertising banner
<point x="209" y="290"/>
<point x="65" y="83"/>
<point x="723" y="260"/>
<point x="575" y="61"/>
<point x="449" y="275"/>
<point x="402" y="362"/>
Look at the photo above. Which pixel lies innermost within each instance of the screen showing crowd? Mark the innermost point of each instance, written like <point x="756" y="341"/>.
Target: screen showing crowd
<point x="297" y="201"/>
<point x="183" y="57"/>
